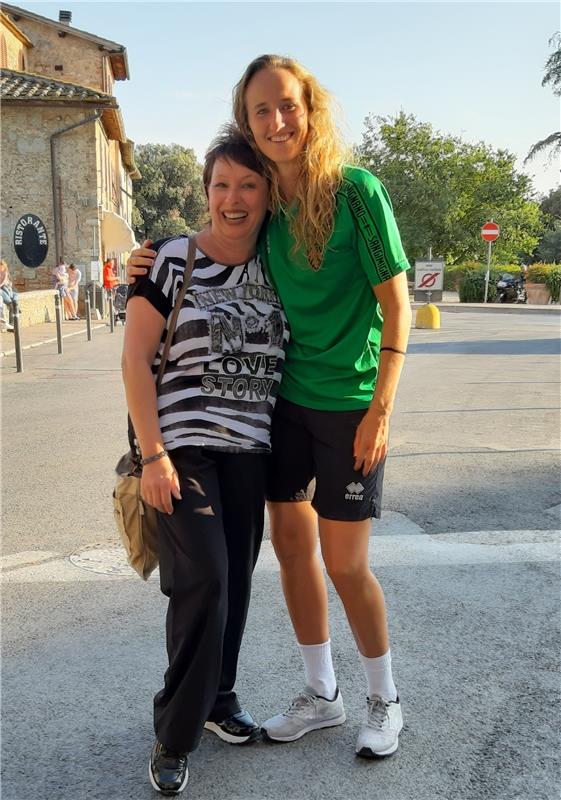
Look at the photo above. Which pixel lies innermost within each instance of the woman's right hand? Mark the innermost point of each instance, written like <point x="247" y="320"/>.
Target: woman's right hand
<point x="159" y="483"/>
<point x="140" y="261"/>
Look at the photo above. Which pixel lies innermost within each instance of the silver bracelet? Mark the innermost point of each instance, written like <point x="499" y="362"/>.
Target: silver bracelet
<point x="151" y="459"/>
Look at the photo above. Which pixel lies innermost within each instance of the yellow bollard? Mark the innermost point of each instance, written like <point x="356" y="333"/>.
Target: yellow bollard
<point x="428" y="316"/>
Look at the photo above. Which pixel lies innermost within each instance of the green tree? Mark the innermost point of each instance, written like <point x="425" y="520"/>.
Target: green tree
<point x="549" y="249"/>
<point x="549" y="246"/>
<point x="444" y="189"/>
<point x="552" y="76"/>
<point x="169" y="199"/>
<point x="551" y="206"/>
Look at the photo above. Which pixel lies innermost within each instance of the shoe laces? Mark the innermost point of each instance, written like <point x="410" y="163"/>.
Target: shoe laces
<point x="301" y="703"/>
<point x="167" y="757"/>
<point x="377" y="712"/>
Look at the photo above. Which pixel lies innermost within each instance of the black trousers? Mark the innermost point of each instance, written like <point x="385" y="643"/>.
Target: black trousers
<point x="208" y="549"/>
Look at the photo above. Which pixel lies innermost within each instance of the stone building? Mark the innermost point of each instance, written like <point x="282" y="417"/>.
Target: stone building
<point x="67" y="164"/>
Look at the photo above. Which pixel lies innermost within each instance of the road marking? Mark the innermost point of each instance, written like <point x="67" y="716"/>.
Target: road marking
<point x="106" y="561"/>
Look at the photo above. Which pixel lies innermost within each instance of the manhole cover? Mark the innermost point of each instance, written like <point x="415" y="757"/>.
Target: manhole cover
<point x="106" y="558"/>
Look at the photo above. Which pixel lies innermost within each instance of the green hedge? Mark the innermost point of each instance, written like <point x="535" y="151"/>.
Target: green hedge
<point x="454" y="276"/>
<point x="469" y="278"/>
<point x="472" y="285"/>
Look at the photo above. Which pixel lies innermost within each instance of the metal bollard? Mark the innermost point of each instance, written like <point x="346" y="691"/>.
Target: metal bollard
<point x="58" y="314"/>
<point x="17" y="337"/>
<point x="93" y="300"/>
<point x="111" y="314"/>
<point x="88" y="317"/>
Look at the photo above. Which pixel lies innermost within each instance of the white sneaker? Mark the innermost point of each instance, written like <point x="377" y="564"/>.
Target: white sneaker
<point x="380" y="736"/>
<point x="307" y="712"/>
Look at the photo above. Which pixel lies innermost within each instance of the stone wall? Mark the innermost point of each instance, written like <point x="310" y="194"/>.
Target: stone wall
<point x="15" y="50"/>
<point x="27" y="186"/>
<point x="36" y="307"/>
<point x="80" y="59"/>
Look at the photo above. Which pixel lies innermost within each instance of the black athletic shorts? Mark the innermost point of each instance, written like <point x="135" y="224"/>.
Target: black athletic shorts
<point x="309" y="444"/>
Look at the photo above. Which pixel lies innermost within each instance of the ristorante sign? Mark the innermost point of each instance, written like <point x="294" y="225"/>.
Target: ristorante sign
<point x="31" y="242"/>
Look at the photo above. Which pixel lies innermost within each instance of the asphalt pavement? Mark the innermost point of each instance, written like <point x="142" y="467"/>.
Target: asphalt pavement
<point x="467" y="552"/>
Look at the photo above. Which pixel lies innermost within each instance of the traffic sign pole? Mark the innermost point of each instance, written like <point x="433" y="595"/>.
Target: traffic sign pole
<point x="487" y="274"/>
<point x="489" y="232"/>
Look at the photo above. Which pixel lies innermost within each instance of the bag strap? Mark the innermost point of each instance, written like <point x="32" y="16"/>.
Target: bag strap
<point x="191" y="252"/>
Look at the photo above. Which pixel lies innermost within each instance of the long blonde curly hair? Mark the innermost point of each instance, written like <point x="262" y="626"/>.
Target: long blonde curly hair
<point x="321" y="160"/>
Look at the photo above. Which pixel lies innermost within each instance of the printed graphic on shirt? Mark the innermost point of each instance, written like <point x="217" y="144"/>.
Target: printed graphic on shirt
<point x="225" y="363"/>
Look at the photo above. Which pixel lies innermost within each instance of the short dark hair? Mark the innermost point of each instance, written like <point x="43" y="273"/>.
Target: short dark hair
<point x="233" y="146"/>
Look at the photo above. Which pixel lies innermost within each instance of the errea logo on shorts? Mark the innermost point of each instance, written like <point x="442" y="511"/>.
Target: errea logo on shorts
<point x="354" y="491"/>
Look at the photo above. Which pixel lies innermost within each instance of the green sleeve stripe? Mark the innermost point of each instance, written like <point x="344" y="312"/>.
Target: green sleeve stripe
<point x="368" y="229"/>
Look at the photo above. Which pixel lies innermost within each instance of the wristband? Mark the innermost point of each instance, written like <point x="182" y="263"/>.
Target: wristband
<point x="394" y="350"/>
<point x="151" y="459"/>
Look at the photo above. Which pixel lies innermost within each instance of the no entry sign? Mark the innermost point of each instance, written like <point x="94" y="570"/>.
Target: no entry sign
<point x="490" y="231"/>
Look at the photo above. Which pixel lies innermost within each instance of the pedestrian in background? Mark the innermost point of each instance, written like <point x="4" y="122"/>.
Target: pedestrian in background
<point x="110" y="279"/>
<point x="9" y="294"/>
<point x="74" y="278"/>
<point x="4" y="324"/>
<point x="60" y="278"/>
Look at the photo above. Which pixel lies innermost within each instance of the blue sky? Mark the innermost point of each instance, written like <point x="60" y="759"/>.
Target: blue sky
<point x="470" y="69"/>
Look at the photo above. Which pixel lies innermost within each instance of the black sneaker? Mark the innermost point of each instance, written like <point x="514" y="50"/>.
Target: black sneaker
<point x="239" y="728"/>
<point x="168" y="771"/>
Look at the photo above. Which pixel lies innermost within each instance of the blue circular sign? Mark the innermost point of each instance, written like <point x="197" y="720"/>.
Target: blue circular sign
<point x="31" y="242"/>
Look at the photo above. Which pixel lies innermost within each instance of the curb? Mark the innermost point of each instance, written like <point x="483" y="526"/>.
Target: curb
<point x="494" y="308"/>
<point x="48" y="341"/>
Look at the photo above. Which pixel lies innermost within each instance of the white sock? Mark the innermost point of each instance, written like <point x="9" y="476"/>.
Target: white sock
<point x="379" y="676"/>
<point x="319" y="668"/>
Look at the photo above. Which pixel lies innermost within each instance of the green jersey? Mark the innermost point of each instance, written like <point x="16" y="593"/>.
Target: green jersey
<point x="335" y="321"/>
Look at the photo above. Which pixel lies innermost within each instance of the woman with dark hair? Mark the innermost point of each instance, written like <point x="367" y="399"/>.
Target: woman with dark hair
<point x="204" y="440"/>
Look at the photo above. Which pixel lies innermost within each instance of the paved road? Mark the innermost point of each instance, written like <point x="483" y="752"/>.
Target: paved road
<point x="467" y="552"/>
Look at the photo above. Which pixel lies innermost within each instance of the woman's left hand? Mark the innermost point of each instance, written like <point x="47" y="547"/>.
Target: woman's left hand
<point x="371" y="440"/>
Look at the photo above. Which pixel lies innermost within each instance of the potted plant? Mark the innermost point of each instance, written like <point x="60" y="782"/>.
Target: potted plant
<point x="543" y="283"/>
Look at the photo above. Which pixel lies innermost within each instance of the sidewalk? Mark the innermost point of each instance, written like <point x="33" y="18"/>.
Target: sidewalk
<point x="451" y="302"/>
<point x="35" y="335"/>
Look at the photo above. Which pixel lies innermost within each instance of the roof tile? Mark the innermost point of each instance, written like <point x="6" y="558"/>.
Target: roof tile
<point x="26" y="86"/>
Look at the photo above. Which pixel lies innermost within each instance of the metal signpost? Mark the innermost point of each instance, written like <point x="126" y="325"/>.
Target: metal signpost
<point x="429" y="279"/>
<point x="489" y="233"/>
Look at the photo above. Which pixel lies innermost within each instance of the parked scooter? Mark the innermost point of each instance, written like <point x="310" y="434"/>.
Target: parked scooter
<point x="511" y="289"/>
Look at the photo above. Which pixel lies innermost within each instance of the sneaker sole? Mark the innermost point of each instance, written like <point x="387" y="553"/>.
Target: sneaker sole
<point x="330" y="723"/>
<point x="167" y="792"/>
<point x="367" y="752"/>
<point x="230" y="738"/>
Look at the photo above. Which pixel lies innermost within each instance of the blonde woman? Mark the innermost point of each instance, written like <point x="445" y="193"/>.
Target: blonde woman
<point x="334" y="255"/>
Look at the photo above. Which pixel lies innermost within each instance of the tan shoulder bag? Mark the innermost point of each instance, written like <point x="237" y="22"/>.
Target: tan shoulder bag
<point x="137" y="522"/>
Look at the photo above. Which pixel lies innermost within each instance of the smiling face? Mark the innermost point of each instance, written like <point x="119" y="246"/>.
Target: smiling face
<point x="277" y="114"/>
<point x="237" y="200"/>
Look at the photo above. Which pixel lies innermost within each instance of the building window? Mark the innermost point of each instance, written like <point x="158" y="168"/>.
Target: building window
<point x="3" y="52"/>
<point x="21" y="60"/>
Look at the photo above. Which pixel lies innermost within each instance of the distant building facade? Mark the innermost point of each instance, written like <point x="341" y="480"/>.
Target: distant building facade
<point x="67" y="164"/>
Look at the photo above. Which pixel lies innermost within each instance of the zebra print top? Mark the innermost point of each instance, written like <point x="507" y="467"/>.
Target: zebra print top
<point x="225" y="362"/>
